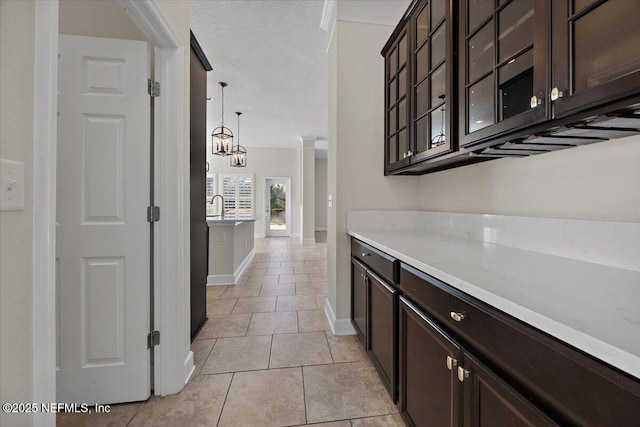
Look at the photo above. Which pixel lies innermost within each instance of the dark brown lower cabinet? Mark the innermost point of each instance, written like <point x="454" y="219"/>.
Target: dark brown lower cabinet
<point x="441" y="384"/>
<point x="359" y="299"/>
<point x="382" y="309"/>
<point x="489" y="401"/>
<point x="429" y="393"/>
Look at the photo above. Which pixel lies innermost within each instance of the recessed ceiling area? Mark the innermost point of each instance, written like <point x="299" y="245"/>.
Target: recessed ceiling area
<point x="273" y="56"/>
<point x="272" y="53"/>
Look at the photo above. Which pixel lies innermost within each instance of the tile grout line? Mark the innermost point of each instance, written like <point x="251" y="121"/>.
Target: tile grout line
<point x="208" y="354"/>
<point x="270" y="350"/>
<point x="137" y="411"/>
<point x="330" y="352"/>
<point x="226" y="395"/>
<point x="304" y="396"/>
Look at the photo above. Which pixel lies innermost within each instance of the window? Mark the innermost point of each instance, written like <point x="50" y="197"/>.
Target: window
<point x="211" y="191"/>
<point x="238" y="193"/>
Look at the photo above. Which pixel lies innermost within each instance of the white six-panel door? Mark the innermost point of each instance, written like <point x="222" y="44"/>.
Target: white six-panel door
<point x="103" y="233"/>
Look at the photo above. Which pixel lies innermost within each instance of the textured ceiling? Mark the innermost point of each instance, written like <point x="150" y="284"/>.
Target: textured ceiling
<point x="387" y="12"/>
<point x="272" y="55"/>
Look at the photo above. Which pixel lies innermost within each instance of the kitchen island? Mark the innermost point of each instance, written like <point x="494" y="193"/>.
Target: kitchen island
<point x="231" y="247"/>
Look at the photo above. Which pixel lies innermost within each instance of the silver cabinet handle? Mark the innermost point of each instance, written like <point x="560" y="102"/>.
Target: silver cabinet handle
<point x="463" y="373"/>
<point x="362" y="276"/>
<point x="535" y="101"/>
<point x="458" y="317"/>
<point x="409" y="153"/>
<point x="366" y="254"/>
<point x="451" y="363"/>
<point x="556" y="93"/>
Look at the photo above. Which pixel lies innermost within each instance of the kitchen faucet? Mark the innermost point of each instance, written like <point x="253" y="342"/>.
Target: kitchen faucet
<point x="222" y="206"/>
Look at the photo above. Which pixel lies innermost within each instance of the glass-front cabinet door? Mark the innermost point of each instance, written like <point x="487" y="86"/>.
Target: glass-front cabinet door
<point x="596" y="53"/>
<point x="398" y="142"/>
<point x="431" y="79"/>
<point x="503" y="67"/>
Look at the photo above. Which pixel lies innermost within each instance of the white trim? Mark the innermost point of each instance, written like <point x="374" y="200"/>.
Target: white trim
<point x="338" y="326"/>
<point x="297" y="235"/>
<point x="189" y="367"/>
<point x="332" y="32"/>
<point x="231" y="279"/>
<point x="44" y="208"/>
<point x="220" y="279"/>
<point x="309" y="240"/>
<point x="243" y="265"/>
<point x="321" y="228"/>
<point x="150" y="19"/>
<point x="172" y="270"/>
<point x="172" y="180"/>
<point x="328" y="14"/>
<point x="258" y="235"/>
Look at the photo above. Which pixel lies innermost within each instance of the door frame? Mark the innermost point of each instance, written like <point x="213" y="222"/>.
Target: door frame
<point x="173" y="359"/>
<point x="267" y="202"/>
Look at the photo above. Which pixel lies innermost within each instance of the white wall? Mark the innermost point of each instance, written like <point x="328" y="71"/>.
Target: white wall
<point x="104" y="18"/>
<point x="321" y="194"/>
<point x="598" y="181"/>
<point x="17" y="36"/>
<point x="267" y="162"/>
<point x="356" y="151"/>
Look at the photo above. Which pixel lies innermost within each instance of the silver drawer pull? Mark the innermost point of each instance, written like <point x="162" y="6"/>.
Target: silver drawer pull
<point x="458" y="317"/>
<point x="451" y="363"/>
<point x="366" y="254"/>
<point x="463" y="373"/>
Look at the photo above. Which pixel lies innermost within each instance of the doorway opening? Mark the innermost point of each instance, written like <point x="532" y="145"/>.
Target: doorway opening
<point x="278" y="206"/>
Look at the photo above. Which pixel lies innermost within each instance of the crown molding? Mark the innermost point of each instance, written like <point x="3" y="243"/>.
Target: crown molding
<point x="328" y="15"/>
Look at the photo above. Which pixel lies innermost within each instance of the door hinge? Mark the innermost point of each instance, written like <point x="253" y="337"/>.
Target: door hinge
<point x="153" y="214"/>
<point x="153" y="87"/>
<point x="153" y="339"/>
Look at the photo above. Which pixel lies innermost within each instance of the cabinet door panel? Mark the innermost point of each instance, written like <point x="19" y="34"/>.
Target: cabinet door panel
<point x="359" y="299"/>
<point x="382" y="330"/>
<point x="503" y="64"/>
<point x="489" y="401"/>
<point x="595" y="53"/>
<point x="432" y="80"/>
<point x="429" y="394"/>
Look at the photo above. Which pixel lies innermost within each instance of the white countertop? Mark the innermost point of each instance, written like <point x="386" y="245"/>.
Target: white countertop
<point x="593" y="307"/>
<point x="230" y="219"/>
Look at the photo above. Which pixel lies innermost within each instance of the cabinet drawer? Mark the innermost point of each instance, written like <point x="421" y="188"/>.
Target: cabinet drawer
<point x="383" y="264"/>
<point x="579" y="389"/>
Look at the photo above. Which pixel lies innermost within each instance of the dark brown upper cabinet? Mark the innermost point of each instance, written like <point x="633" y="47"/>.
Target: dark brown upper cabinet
<point x="595" y="53"/>
<point x="502" y="66"/>
<point x="397" y="83"/>
<point x="474" y="80"/>
<point x="431" y="80"/>
<point x="419" y="86"/>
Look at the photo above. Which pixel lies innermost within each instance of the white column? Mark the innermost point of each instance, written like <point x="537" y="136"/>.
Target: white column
<point x="308" y="186"/>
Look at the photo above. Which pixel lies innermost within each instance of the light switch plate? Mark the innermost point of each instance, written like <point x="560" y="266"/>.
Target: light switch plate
<point x="330" y="200"/>
<point x="11" y="185"/>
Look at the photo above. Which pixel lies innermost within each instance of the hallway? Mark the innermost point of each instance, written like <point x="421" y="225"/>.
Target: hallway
<point x="267" y="356"/>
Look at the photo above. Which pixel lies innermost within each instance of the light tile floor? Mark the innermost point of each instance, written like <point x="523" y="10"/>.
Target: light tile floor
<point x="267" y="356"/>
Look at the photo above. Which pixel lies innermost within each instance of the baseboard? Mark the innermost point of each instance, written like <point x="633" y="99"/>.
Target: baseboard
<point x="309" y="240"/>
<point x="189" y="367"/>
<point x="243" y="265"/>
<point x="338" y="326"/>
<point x="259" y="235"/>
<point x="295" y="235"/>
<point x="220" y="279"/>
<point x="231" y="279"/>
<point x="321" y="228"/>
